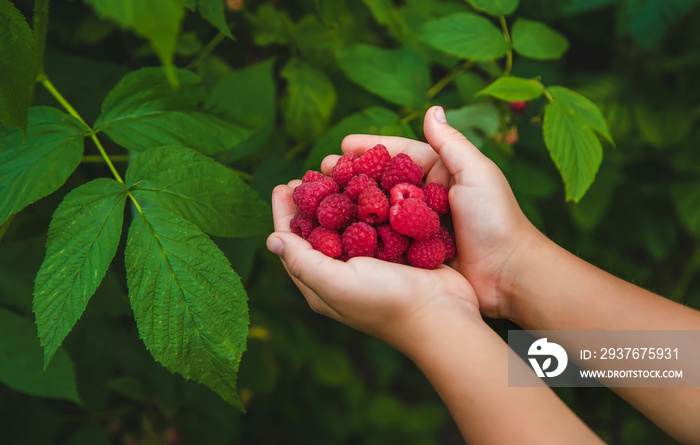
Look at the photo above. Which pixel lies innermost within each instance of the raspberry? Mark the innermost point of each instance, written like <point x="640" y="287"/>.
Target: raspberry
<point x="308" y="196"/>
<point x="314" y="176"/>
<point x="326" y="241"/>
<point x="360" y="239"/>
<point x="400" y="192"/>
<point x="373" y="162"/>
<point x="448" y="241"/>
<point x="357" y="184"/>
<point x="302" y="225"/>
<point x="414" y="218"/>
<point x="519" y="106"/>
<point x="372" y="206"/>
<point x="436" y="197"/>
<point x="343" y="171"/>
<point x="391" y="244"/>
<point x="426" y="254"/>
<point x="335" y="211"/>
<point x="401" y="169"/>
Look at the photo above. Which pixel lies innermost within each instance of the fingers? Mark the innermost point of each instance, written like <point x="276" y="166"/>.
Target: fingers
<point x="283" y="208"/>
<point x="328" y="163"/>
<point x="420" y="152"/>
<point x="459" y="155"/>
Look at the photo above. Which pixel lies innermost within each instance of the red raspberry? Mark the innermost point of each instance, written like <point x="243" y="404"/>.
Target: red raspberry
<point x="391" y="244"/>
<point x="372" y="206"/>
<point x="314" y="176"/>
<point x="414" y="218"/>
<point x="357" y="184"/>
<point x="360" y="239"/>
<point x="426" y="254"/>
<point x="519" y="106"/>
<point x="373" y="162"/>
<point x="336" y="211"/>
<point x="302" y="225"/>
<point x="436" y="197"/>
<point x="343" y="171"/>
<point x="448" y="241"/>
<point x="308" y="196"/>
<point x="400" y="192"/>
<point x="401" y="169"/>
<point x="326" y="241"/>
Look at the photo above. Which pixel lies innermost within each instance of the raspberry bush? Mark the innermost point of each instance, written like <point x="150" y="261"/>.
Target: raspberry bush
<point x="140" y="141"/>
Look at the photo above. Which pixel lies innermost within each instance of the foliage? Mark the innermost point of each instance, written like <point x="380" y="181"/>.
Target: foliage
<point x="176" y="118"/>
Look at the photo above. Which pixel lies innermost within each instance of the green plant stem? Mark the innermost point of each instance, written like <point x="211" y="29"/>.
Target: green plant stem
<point x="90" y="132"/>
<point x="509" y="54"/>
<point x="41" y="25"/>
<point x="94" y="159"/>
<point x="204" y="53"/>
<point x="545" y="91"/>
<point x="449" y="77"/>
<point x="294" y="151"/>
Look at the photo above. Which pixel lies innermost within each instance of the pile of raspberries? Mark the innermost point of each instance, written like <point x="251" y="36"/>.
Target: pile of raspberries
<point x="374" y="206"/>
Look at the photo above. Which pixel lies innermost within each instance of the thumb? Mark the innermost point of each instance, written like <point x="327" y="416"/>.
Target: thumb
<point x="459" y="155"/>
<point x="309" y="266"/>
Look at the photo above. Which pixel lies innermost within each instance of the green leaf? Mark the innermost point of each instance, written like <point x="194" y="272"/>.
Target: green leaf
<point x="144" y="111"/>
<point x="663" y="125"/>
<point x="199" y="189"/>
<point x="83" y="238"/>
<point x="189" y="305"/>
<point x="574" y="148"/>
<point x="687" y="200"/>
<point x="156" y="20"/>
<point x="271" y="26"/>
<point x="248" y="97"/>
<point x="482" y="116"/>
<point x="398" y="75"/>
<point x="538" y="41"/>
<point x="466" y="35"/>
<point x="387" y="14"/>
<point x="213" y="12"/>
<point x="309" y="101"/>
<point x="376" y="120"/>
<point x="21" y="362"/>
<point x="589" y="212"/>
<point x="650" y="20"/>
<point x="18" y="66"/>
<point x="513" y="88"/>
<point x="38" y="165"/>
<point x="582" y="109"/>
<point x="495" y="7"/>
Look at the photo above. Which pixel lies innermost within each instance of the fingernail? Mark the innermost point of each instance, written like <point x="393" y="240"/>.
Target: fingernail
<point x="439" y="114"/>
<point x="275" y="245"/>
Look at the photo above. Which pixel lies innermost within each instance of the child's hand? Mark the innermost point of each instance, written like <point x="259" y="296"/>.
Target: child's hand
<point x="491" y="232"/>
<point x="392" y="302"/>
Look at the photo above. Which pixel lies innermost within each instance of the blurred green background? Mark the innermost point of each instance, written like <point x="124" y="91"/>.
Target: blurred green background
<point x="304" y="378"/>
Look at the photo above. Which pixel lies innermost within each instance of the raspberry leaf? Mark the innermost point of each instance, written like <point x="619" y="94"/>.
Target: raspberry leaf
<point x="18" y="66"/>
<point x="466" y="35"/>
<point x="213" y="12"/>
<point x="144" y="111"/>
<point x="83" y="238"/>
<point x="495" y="7"/>
<point x="37" y="163"/>
<point x="375" y="120"/>
<point x="574" y="148"/>
<point x="22" y="363"/>
<point x="483" y="116"/>
<point x="513" y="88"/>
<point x="538" y="41"/>
<point x="582" y="110"/>
<point x="199" y="189"/>
<point x="156" y="20"/>
<point x="399" y="75"/>
<point x="309" y="100"/>
<point x="191" y="315"/>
